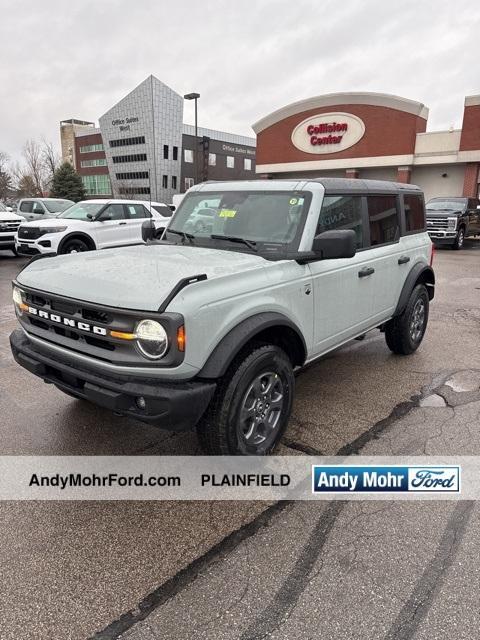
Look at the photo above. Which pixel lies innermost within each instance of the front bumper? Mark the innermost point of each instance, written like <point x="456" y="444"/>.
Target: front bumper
<point x="43" y="245"/>
<point x="7" y="241"/>
<point x="174" y="406"/>
<point x="441" y="236"/>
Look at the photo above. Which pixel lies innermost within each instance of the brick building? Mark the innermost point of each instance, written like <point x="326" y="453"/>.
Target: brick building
<point x="371" y="135"/>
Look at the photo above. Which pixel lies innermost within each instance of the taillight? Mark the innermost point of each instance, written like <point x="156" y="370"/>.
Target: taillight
<point x="432" y="253"/>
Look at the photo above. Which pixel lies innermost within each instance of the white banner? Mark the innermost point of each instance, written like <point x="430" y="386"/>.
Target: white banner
<point x="238" y="478"/>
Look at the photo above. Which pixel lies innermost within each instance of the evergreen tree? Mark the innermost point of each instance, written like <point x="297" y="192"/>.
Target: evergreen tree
<point x="67" y="183"/>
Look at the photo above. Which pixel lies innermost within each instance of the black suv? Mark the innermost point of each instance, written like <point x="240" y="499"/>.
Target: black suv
<point x="451" y="220"/>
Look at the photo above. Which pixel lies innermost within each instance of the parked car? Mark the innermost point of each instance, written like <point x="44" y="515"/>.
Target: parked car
<point x="91" y="224"/>
<point x="206" y="329"/>
<point x="9" y="223"/>
<point x="41" y="208"/>
<point x="451" y="220"/>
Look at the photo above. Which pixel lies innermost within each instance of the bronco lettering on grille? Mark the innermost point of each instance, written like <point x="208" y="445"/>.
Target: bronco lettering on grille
<point x="68" y="322"/>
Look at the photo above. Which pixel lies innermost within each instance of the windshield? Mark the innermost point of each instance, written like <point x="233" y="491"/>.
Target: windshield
<point x="446" y="205"/>
<point x="82" y="210"/>
<point x="57" y="206"/>
<point x="273" y="219"/>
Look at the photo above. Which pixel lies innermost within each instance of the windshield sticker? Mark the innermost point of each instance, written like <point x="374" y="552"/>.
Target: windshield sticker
<point x="293" y="200"/>
<point x="227" y="213"/>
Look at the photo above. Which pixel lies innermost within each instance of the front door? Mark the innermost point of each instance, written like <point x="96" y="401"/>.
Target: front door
<point x="111" y="229"/>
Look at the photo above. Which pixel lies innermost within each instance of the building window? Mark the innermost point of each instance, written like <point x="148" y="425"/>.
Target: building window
<point x="135" y="157"/>
<point x="188" y="183"/>
<point x="175" y="153"/>
<point x="126" y="142"/>
<point x="99" y="162"/>
<point x="91" y="147"/>
<point x="165" y="151"/>
<point x="174" y="182"/>
<point x="414" y="213"/>
<point x="132" y="175"/>
<point x="164" y="181"/>
<point x="247" y="164"/>
<point x="97" y="185"/>
<point x="134" y="190"/>
<point x="188" y="155"/>
<point x="341" y="212"/>
<point x="212" y="159"/>
<point x="230" y="162"/>
<point x="383" y="219"/>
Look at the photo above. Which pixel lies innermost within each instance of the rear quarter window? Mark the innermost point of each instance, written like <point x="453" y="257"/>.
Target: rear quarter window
<point x="414" y="213"/>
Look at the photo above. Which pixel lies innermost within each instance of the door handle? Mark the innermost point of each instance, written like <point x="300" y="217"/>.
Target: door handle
<point x="403" y="260"/>
<point x="120" y="223"/>
<point x="367" y="271"/>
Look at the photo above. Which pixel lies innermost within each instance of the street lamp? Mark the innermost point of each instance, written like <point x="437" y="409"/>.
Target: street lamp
<point x="194" y="96"/>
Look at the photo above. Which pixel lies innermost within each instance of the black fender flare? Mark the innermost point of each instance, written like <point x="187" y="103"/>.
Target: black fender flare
<point x="420" y="273"/>
<point x="231" y="344"/>
<point x="77" y="234"/>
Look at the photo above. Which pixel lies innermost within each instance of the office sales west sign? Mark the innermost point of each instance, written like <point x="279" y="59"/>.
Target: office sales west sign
<point x="328" y="133"/>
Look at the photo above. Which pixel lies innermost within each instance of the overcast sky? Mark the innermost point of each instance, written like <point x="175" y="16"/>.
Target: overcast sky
<point x="76" y="58"/>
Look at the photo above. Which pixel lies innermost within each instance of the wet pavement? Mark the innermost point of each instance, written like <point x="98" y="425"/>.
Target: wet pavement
<point x="250" y="570"/>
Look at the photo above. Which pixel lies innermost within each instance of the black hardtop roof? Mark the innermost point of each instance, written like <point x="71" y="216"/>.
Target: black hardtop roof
<point x="358" y="185"/>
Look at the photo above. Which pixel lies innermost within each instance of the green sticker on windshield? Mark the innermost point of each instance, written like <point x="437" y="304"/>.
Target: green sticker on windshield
<point x="227" y="213"/>
<point x="293" y="200"/>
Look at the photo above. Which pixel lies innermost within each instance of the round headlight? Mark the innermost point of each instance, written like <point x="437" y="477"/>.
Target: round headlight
<point x="152" y="339"/>
<point x="17" y="295"/>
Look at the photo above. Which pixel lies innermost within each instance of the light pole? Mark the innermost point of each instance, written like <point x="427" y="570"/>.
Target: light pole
<point x="194" y="96"/>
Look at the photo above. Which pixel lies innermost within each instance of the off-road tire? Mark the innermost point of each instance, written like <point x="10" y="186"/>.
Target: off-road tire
<point x="398" y="331"/>
<point x="218" y="430"/>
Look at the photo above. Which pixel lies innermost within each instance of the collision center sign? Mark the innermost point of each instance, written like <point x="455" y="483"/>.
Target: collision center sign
<point x="328" y="133"/>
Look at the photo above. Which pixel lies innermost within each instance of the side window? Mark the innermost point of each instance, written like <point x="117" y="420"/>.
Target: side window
<point x="26" y="206"/>
<point x="136" y="211"/>
<point x="383" y="219"/>
<point x="113" y="212"/>
<point x="414" y="213"/>
<point x="38" y="208"/>
<point x="342" y="212"/>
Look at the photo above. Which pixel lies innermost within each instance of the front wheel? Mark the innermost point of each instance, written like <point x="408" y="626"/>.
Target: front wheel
<point x="405" y="332"/>
<point x="76" y="245"/>
<point x="460" y="239"/>
<point x="251" y="407"/>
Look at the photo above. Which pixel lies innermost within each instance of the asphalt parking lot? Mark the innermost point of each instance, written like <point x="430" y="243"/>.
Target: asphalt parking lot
<point x="250" y="570"/>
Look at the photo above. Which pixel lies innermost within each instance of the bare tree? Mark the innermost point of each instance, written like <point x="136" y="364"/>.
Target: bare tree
<point x="51" y="161"/>
<point x="35" y="165"/>
<point x="5" y="177"/>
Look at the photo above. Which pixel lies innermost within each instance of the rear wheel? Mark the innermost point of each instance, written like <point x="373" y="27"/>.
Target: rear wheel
<point x="75" y="245"/>
<point x="405" y="332"/>
<point x="251" y="407"/>
<point x="460" y="239"/>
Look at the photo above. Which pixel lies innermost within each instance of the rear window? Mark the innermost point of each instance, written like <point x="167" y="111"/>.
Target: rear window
<point x="383" y="219"/>
<point x="414" y="213"/>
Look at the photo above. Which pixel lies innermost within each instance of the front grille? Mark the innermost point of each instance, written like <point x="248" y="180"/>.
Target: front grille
<point x="7" y="238"/>
<point x="30" y="233"/>
<point x="9" y="225"/>
<point x="438" y="223"/>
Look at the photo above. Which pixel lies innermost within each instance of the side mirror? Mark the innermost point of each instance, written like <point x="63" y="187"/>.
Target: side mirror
<point x="335" y="244"/>
<point x="148" y="230"/>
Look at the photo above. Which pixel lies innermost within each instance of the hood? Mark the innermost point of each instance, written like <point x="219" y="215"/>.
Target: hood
<point x="443" y="213"/>
<point x="51" y="220"/>
<point x="9" y="215"/>
<point x="138" y="277"/>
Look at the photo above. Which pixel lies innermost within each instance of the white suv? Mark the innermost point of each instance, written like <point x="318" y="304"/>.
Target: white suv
<point x="9" y="223"/>
<point x="91" y="224"/>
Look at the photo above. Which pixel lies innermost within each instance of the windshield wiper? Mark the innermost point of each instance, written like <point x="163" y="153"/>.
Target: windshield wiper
<point x="251" y="244"/>
<point x="184" y="234"/>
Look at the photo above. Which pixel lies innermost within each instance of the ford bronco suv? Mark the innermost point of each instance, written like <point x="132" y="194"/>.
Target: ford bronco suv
<point x="205" y="328"/>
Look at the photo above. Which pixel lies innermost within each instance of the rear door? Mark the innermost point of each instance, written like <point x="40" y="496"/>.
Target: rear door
<point x="111" y="229"/>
